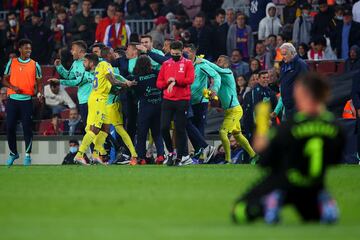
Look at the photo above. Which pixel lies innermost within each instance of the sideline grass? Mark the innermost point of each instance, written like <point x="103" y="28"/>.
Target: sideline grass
<point x="152" y="202"/>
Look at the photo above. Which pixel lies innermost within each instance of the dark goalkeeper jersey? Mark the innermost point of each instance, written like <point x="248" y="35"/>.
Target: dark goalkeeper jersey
<point x="301" y="150"/>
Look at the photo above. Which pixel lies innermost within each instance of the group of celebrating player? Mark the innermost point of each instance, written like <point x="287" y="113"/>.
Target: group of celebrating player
<point x="176" y="87"/>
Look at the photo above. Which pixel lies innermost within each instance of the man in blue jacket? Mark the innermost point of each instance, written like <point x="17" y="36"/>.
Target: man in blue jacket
<point x="293" y="67"/>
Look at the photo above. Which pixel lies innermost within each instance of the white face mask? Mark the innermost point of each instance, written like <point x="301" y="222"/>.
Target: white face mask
<point x="339" y="17"/>
<point x="12" y="23"/>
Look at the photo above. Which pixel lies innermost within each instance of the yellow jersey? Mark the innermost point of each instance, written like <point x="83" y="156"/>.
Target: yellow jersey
<point x="101" y="85"/>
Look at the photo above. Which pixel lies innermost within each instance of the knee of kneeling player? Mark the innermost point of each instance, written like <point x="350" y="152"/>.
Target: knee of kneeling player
<point x="239" y="213"/>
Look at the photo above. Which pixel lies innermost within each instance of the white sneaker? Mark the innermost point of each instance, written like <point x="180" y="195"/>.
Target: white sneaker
<point x="208" y="153"/>
<point x="186" y="160"/>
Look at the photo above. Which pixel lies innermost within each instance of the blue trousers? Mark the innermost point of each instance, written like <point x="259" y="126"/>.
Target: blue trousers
<point x="83" y="110"/>
<point x="148" y="119"/>
<point x="17" y="110"/>
<point x="194" y="134"/>
<point x="199" y="119"/>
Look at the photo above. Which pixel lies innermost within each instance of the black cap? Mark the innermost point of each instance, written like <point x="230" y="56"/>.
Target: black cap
<point x="322" y="2"/>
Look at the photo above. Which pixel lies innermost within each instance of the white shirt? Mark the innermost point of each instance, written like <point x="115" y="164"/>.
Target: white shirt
<point x="356" y="12"/>
<point x="117" y="27"/>
<point x="62" y="98"/>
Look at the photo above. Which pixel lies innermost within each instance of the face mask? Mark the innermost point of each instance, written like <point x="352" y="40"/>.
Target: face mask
<point x="73" y="149"/>
<point x="12" y="23"/>
<point x="176" y="58"/>
<point x="339" y="17"/>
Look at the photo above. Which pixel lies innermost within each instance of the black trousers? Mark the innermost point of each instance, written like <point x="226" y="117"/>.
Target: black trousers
<point x="17" y="110"/>
<point x="305" y="200"/>
<point x="175" y="110"/>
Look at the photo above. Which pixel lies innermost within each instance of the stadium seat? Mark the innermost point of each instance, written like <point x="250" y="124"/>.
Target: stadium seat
<point x="65" y="114"/>
<point x="340" y="68"/>
<point x="72" y="91"/>
<point x="327" y="67"/>
<point x="43" y="125"/>
<point x="312" y="66"/>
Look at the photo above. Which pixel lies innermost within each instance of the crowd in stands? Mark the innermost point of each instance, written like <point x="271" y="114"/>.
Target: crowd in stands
<point x="250" y="32"/>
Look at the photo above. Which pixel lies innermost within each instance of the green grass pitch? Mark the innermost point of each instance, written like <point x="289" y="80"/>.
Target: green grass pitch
<point x="153" y="202"/>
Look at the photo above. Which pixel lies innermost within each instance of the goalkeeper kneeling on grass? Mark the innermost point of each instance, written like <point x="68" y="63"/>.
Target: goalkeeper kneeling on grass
<point x="296" y="156"/>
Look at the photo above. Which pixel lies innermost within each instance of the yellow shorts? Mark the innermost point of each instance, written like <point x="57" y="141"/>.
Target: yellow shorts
<point x="97" y="115"/>
<point x="232" y="118"/>
<point x="114" y="114"/>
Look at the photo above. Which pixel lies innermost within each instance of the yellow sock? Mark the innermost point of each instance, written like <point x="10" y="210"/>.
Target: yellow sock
<point x="226" y="144"/>
<point x="244" y="143"/>
<point x="87" y="140"/>
<point x="126" y="139"/>
<point x="99" y="142"/>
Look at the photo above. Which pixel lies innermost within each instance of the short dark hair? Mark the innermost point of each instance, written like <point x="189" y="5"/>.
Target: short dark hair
<point x="142" y="66"/>
<point x="177" y="45"/>
<point x="146" y="36"/>
<point x="80" y="43"/>
<point x="11" y="13"/>
<point x="191" y="46"/>
<point x="220" y="11"/>
<point x="98" y="44"/>
<point x="54" y="83"/>
<point x="226" y="58"/>
<point x="236" y="50"/>
<point x="320" y="41"/>
<point x="92" y="57"/>
<point x="74" y="3"/>
<point x="317" y="85"/>
<point x="263" y="72"/>
<point x="24" y="41"/>
<point x="105" y="51"/>
<point x="200" y="15"/>
<point x="74" y="141"/>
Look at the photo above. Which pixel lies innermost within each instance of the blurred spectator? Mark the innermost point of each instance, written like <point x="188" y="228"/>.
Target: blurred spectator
<point x="191" y="7"/>
<point x="202" y="35"/>
<point x="257" y="12"/>
<point x="56" y="127"/>
<point x="291" y="11"/>
<point x="260" y="93"/>
<point x="230" y="16"/>
<point x="72" y="9"/>
<point x="50" y="12"/>
<point x="210" y="7"/>
<point x="117" y="34"/>
<point x="3" y="46"/>
<point x="321" y="25"/>
<point x="238" y="66"/>
<point x="235" y="4"/>
<point x="303" y="51"/>
<point x="241" y="85"/>
<point x="302" y="26"/>
<point x="254" y="68"/>
<point x="264" y="57"/>
<point x="240" y="36"/>
<point x="221" y="30"/>
<point x="60" y="26"/>
<point x="158" y="33"/>
<point x="279" y="41"/>
<point x="3" y="98"/>
<point x="336" y="20"/>
<point x="356" y="11"/>
<point x="353" y="62"/>
<point x="74" y="125"/>
<point x="56" y="98"/>
<point x="106" y="21"/>
<point x="73" y="149"/>
<point x="132" y="11"/>
<point x="82" y="25"/>
<point x="271" y="24"/>
<point x="13" y="31"/>
<point x="347" y="34"/>
<point x="154" y="9"/>
<point x="42" y="39"/>
<point x="322" y="51"/>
